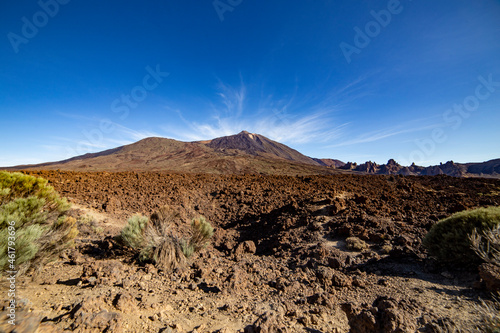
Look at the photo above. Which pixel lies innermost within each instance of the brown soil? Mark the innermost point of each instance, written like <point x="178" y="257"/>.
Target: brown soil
<point x="278" y="261"/>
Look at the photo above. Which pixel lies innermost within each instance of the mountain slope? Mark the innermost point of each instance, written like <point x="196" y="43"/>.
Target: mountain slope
<point x="259" y="145"/>
<point x="244" y="153"/>
<point x="329" y="162"/>
<point x="235" y="154"/>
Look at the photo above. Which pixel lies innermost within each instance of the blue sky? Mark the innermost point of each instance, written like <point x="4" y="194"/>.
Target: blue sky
<point x="417" y="81"/>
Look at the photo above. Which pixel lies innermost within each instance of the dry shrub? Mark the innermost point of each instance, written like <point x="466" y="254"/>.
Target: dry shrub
<point x="156" y="242"/>
<point x="168" y="255"/>
<point x="488" y="248"/>
<point x="161" y="246"/>
<point x="490" y="316"/>
<point x="386" y="248"/>
<point x="354" y="243"/>
<point x="57" y="238"/>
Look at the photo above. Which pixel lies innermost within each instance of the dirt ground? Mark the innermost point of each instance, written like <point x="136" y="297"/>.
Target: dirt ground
<point x="278" y="261"/>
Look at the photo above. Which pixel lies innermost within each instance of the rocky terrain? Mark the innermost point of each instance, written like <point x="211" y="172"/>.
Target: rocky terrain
<point x="485" y="169"/>
<point x="278" y="261"/>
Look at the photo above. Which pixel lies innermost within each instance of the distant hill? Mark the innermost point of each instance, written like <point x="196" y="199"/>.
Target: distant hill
<point x="236" y="154"/>
<point x="329" y="162"/>
<point x="244" y="153"/>
<point x="483" y="169"/>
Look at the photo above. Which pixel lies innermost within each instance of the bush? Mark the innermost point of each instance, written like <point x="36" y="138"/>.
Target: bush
<point x="490" y="316"/>
<point x="161" y="246"/>
<point x="37" y="212"/>
<point x="201" y="232"/>
<point x="155" y="242"/>
<point x="133" y="233"/>
<point x="489" y="248"/>
<point x="88" y="225"/>
<point x="356" y="244"/>
<point x="448" y="240"/>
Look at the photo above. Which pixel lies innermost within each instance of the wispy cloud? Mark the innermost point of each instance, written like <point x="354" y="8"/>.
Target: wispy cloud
<point x="377" y="135"/>
<point x="283" y="119"/>
<point x="232" y="98"/>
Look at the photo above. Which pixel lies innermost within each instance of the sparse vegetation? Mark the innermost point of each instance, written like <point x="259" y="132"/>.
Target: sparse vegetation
<point x="86" y="219"/>
<point x="489" y="248"/>
<point x="87" y="224"/>
<point x="161" y="246"/>
<point x="356" y="244"/>
<point x="448" y="240"/>
<point x="201" y="232"/>
<point x="133" y="233"/>
<point x="155" y="242"/>
<point x="386" y="248"/>
<point x="469" y="236"/>
<point x="489" y="314"/>
<point x="36" y="212"/>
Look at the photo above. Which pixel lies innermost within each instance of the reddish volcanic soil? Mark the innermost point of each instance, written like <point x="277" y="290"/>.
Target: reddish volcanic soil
<point x="277" y="262"/>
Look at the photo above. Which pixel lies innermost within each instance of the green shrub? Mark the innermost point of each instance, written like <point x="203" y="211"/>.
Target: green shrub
<point x="18" y="185"/>
<point x="133" y="233"/>
<point x="187" y="249"/>
<point x="26" y="245"/>
<point x="37" y="212"/>
<point x="448" y="240"/>
<point x="201" y="232"/>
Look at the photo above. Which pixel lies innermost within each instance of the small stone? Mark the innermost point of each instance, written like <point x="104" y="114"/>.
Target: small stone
<point x="383" y="282"/>
<point x="358" y="282"/>
<point x="334" y="262"/>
